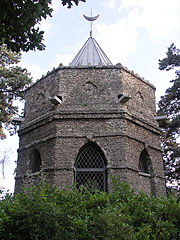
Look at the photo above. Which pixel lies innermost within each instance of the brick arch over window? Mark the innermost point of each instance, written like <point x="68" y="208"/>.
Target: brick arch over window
<point x="35" y="161"/>
<point x="145" y="162"/>
<point x="90" y="168"/>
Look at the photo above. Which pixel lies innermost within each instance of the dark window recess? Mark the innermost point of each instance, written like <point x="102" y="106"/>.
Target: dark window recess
<point x="120" y="95"/>
<point x="145" y="162"/>
<point x="36" y="161"/>
<point x="60" y="97"/>
<point x="123" y="98"/>
<point x="90" y="169"/>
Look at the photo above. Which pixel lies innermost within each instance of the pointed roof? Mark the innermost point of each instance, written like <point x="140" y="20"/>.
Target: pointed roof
<point x="91" y="54"/>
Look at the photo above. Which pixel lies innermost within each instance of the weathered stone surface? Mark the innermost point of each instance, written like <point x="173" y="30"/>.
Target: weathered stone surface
<point x="109" y="106"/>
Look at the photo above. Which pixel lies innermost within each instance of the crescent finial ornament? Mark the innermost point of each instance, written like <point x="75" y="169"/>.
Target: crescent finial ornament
<point x="91" y="18"/>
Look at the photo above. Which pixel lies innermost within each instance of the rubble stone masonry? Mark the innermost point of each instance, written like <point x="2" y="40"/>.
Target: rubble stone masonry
<point x="108" y="106"/>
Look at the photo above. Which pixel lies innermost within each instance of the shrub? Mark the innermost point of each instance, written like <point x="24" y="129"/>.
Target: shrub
<point x="44" y="212"/>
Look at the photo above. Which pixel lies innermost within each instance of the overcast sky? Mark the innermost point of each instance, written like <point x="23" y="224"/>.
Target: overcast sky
<point x="135" y="33"/>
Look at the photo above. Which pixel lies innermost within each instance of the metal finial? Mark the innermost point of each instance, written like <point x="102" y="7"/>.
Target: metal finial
<point x="91" y="19"/>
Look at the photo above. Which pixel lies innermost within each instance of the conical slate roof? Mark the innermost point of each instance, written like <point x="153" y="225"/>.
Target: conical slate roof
<point x="91" y="54"/>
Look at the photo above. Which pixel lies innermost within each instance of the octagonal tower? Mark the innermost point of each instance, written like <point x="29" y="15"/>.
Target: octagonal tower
<point x="88" y="121"/>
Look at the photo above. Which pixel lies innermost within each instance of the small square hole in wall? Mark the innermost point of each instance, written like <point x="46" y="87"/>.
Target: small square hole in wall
<point x="60" y="97"/>
<point x="56" y="100"/>
<point x="123" y="98"/>
<point x="119" y="96"/>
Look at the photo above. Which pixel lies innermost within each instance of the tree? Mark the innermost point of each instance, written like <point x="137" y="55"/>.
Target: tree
<point x="13" y="81"/>
<point x="19" y="19"/>
<point x="170" y="105"/>
<point x="70" y="2"/>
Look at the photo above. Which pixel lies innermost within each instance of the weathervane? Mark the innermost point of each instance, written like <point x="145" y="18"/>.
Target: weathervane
<point x="91" y="19"/>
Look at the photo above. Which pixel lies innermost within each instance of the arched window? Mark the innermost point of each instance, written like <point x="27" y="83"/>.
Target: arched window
<point x="35" y="161"/>
<point x="90" y="168"/>
<point x="145" y="162"/>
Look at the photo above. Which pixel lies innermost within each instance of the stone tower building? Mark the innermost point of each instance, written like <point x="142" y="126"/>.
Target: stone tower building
<point x="88" y="121"/>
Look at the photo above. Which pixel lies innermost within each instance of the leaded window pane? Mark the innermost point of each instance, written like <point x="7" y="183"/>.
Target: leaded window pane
<point x="90" y="169"/>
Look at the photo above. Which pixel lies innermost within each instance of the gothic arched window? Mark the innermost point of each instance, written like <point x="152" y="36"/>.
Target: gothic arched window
<point x="35" y="161"/>
<point x="90" y="168"/>
<point x="145" y="162"/>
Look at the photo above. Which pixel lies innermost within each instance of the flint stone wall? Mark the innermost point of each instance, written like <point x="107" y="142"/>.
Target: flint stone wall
<point x="91" y="111"/>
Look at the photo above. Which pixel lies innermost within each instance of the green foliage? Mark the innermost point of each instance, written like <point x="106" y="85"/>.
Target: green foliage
<point x="46" y="213"/>
<point x="19" y="19"/>
<point x="17" y="23"/>
<point x="13" y="81"/>
<point x="172" y="60"/>
<point x="70" y="2"/>
<point x="170" y="105"/>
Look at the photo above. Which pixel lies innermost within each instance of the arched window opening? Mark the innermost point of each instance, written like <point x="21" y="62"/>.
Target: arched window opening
<point x="145" y="162"/>
<point x="36" y="162"/>
<point x="90" y="169"/>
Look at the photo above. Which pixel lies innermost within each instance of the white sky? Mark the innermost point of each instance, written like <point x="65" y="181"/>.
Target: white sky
<point x="135" y="33"/>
